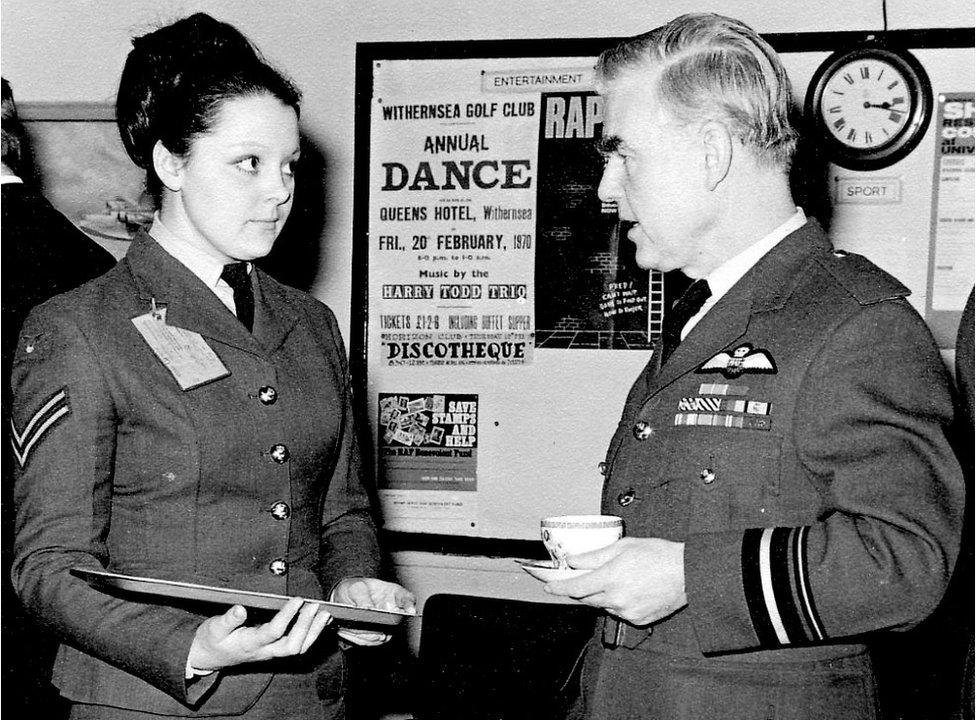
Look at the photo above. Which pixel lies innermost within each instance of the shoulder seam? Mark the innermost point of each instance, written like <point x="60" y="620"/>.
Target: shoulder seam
<point x="886" y="287"/>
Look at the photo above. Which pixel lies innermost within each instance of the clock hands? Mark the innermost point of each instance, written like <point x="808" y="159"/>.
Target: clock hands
<point x="884" y="106"/>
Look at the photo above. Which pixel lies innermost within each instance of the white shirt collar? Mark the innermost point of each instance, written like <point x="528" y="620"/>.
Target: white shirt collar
<point x="722" y="278"/>
<point x="10" y="180"/>
<point x="204" y="266"/>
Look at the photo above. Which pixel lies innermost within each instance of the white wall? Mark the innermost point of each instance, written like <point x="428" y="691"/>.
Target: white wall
<point x="51" y="50"/>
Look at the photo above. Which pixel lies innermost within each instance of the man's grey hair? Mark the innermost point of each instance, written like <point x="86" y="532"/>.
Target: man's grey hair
<point x="710" y="67"/>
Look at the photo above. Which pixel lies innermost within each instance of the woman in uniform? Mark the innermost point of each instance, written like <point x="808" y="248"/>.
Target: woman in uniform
<point x="187" y="417"/>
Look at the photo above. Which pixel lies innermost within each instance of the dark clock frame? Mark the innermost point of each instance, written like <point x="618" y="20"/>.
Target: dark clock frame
<point x="906" y="140"/>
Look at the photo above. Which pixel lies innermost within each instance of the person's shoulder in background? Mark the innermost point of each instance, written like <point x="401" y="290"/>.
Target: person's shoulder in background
<point x="45" y="253"/>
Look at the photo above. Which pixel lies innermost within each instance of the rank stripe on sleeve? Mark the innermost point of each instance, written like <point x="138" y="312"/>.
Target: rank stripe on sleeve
<point x="768" y="593"/>
<point x="783" y="590"/>
<point x="752" y="586"/>
<point x="54" y="408"/>
<point x="777" y="587"/>
<point x="803" y="583"/>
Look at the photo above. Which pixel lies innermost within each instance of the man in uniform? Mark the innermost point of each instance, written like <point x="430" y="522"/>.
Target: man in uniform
<point x="781" y="464"/>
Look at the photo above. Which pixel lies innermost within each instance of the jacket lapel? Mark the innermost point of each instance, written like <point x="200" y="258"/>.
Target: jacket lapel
<point x="274" y="316"/>
<point x="723" y="324"/>
<point x="189" y="303"/>
<point x="766" y="286"/>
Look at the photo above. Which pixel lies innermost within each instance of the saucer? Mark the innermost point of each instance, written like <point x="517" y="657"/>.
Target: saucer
<point x="544" y="571"/>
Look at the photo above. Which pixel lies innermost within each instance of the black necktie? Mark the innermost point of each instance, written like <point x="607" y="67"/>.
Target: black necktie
<point x="686" y="308"/>
<point x="236" y="275"/>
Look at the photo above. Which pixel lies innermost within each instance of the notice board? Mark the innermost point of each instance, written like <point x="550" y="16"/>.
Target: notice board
<point x="502" y="318"/>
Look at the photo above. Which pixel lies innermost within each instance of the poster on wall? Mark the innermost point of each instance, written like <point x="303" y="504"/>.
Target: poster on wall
<point x="452" y="208"/>
<point x="580" y="243"/>
<point x="428" y="454"/>
<point x="952" y="249"/>
<point x="487" y="236"/>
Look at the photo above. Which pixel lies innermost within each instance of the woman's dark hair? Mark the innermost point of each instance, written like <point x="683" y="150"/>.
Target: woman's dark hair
<point x="175" y="80"/>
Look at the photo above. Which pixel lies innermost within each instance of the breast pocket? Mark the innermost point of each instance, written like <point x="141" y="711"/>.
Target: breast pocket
<point x="730" y="484"/>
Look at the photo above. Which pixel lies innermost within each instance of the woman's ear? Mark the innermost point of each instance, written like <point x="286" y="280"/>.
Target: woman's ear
<point x="168" y="167"/>
<point x="717" y="147"/>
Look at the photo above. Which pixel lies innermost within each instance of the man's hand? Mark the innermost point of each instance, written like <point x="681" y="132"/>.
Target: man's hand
<point x="222" y="641"/>
<point x="371" y="593"/>
<point x="640" y="580"/>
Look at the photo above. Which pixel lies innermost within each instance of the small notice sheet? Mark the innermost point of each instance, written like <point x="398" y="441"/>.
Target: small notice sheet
<point x="953" y="249"/>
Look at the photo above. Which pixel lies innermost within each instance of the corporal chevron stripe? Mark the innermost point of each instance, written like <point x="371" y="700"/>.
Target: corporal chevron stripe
<point x="777" y="586"/>
<point x="53" y="409"/>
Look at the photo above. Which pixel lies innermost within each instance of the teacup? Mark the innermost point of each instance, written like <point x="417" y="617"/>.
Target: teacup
<point x="573" y="534"/>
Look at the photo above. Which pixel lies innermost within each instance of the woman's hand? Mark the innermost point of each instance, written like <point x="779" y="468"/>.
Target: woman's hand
<point x="371" y="593"/>
<point x="222" y="641"/>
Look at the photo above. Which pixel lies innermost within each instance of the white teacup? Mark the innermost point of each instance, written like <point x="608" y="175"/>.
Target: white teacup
<point x="573" y="534"/>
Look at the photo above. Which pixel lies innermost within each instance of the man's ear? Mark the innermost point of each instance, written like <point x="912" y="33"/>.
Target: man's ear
<point x="716" y="144"/>
<point x="168" y="167"/>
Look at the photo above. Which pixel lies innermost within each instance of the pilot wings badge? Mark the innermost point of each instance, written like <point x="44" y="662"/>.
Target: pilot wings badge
<point x="744" y="359"/>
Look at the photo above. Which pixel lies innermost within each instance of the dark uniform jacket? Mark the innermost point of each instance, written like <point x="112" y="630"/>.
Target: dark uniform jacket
<point x="250" y="481"/>
<point x="795" y="443"/>
<point x="44" y="254"/>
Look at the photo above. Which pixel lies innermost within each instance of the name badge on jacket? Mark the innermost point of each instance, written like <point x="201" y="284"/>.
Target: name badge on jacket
<point x="184" y="353"/>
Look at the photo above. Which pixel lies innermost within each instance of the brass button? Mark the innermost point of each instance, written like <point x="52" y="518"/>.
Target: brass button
<point x="279" y="453"/>
<point x="602" y="467"/>
<point x="267" y="395"/>
<point x="280" y="511"/>
<point x="643" y="430"/>
<point x="707" y="476"/>
<point x="278" y="567"/>
<point x="626" y="497"/>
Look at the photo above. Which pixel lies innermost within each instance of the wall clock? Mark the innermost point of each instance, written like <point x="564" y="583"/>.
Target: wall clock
<point x="870" y="106"/>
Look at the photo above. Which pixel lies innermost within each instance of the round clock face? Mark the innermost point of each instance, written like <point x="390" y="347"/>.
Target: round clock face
<point x="870" y="105"/>
<point x="866" y="103"/>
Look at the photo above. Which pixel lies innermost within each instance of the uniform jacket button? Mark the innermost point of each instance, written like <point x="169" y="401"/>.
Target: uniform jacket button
<point x="280" y="511"/>
<point x="626" y="497"/>
<point x="643" y="430"/>
<point x="278" y="567"/>
<point x="279" y="453"/>
<point x="602" y="467"/>
<point x="707" y="476"/>
<point x="267" y="395"/>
